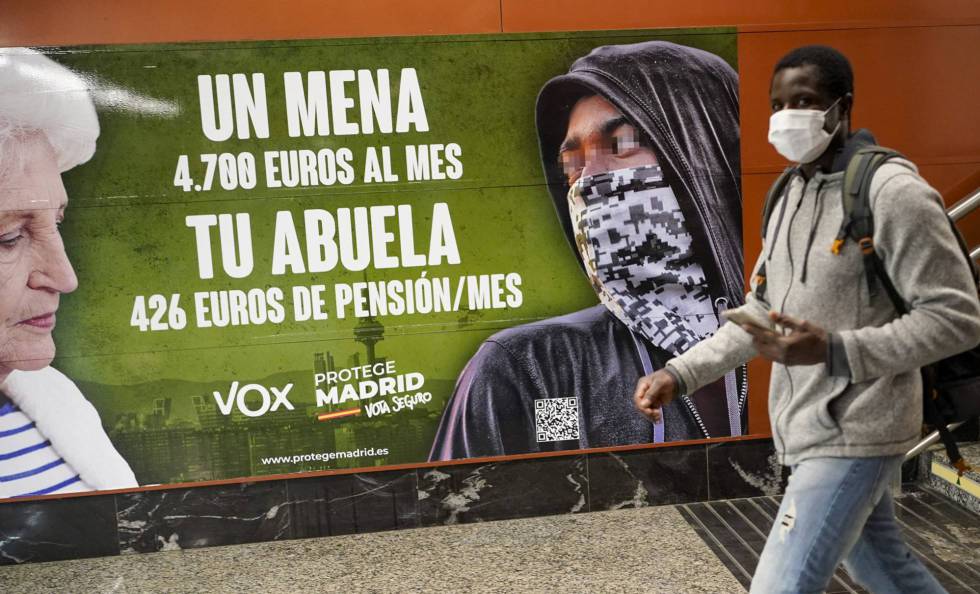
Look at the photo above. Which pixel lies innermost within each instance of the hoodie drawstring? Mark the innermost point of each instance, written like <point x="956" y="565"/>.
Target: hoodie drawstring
<point x="817" y="213"/>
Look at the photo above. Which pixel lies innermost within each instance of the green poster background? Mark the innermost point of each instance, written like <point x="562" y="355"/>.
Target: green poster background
<point x="126" y="236"/>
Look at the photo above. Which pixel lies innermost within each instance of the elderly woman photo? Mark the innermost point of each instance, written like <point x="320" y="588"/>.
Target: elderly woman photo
<point x="51" y="437"/>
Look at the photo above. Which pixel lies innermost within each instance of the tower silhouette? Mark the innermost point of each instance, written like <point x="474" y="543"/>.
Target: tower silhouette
<point x="369" y="332"/>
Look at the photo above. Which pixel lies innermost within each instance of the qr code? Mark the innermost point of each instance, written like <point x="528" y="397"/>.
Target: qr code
<point x="556" y="419"/>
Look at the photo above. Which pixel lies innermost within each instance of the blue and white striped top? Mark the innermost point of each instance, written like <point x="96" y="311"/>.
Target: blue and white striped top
<point x="28" y="464"/>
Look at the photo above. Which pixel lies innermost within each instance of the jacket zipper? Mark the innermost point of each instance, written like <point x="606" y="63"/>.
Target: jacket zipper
<point x="782" y="307"/>
<point x="744" y="390"/>
<point x="694" y="413"/>
<point x="721" y="304"/>
<point x="742" y="400"/>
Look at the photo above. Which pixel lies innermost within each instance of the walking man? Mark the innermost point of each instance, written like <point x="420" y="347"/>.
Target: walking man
<point x="845" y="393"/>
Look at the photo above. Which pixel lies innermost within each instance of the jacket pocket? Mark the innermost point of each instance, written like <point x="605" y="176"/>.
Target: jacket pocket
<point x="825" y="414"/>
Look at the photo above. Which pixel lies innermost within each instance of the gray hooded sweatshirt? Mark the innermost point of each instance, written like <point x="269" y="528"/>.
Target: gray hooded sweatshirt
<point x="866" y="400"/>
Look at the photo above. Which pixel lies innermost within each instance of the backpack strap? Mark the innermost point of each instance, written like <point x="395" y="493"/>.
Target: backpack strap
<point x="773" y="196"/>
<point x="858" y="221"/>
<point x="934" y="417"/>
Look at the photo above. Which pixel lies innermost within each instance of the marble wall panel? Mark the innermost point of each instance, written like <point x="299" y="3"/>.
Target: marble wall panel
<point x="202" y="517"/>
<point x="54" y="530"/>
<point x="639" y="478"/>
<point x="744" y="469"/>
<point x="389" y="500"/>
<point x="353" y="503"/>
<point x="497" y="491"/>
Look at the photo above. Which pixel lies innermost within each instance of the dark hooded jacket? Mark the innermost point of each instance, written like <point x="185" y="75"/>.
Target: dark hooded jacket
<point x="685" y="102"/>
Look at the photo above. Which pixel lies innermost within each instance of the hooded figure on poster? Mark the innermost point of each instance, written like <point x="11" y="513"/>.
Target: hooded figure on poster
<point x="640" y="149"/>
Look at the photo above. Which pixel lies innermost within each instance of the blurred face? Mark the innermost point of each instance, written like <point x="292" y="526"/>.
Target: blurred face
<point x="600" y="139"/>
<point x="34" y="270"/>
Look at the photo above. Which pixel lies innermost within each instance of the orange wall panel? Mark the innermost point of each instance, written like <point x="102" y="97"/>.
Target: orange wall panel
<point x="915" y="88"/>
<point x="59" y="22"/>
<point x="571" y="15"/>
<point x="954" y="182"/>
<point x="62" y="22"/>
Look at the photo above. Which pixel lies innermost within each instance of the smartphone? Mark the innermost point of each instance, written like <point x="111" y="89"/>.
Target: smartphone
<point x="740" y="317"/>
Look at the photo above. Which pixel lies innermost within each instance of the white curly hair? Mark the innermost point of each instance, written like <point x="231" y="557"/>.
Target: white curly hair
<point x="40" y="96"/>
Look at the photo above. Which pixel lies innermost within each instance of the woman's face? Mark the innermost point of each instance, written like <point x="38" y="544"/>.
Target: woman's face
<point x="34" y="269"/>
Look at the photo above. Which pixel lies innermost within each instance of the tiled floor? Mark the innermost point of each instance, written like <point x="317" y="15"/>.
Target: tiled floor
<point x="650" y="549"/>
<point x="943" y="534"/>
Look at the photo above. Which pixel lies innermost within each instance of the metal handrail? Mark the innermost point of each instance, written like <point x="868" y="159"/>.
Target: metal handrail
<point x="965" y="206"/>
<point x="928" y="440"/>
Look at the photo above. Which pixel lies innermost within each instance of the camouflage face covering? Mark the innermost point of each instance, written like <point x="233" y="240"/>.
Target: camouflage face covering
<point x="632" y="236"/>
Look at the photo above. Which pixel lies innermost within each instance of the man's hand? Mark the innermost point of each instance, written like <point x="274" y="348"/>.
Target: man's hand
<point x="652" y="392"/>
<point x="806" y="344"/>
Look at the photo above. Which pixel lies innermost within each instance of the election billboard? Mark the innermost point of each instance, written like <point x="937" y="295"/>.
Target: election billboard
<point x="234" y="260"/>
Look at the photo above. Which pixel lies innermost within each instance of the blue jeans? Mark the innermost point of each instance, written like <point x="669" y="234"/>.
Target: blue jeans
<point x="834" y="510"/>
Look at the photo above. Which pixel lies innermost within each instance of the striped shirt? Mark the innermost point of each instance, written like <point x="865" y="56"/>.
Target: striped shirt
<point x="28" y="464"/>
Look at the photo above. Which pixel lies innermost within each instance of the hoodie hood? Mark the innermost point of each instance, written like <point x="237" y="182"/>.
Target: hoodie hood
<point x="685" y="101"/>
<point x="855" y="142"/>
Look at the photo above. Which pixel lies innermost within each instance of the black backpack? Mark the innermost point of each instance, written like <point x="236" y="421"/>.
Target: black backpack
<point x="951" y="387"/>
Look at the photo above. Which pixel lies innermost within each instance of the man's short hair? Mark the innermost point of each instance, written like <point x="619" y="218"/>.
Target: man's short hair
<point x="38" y="95"/>
<point x="836" y="76"/>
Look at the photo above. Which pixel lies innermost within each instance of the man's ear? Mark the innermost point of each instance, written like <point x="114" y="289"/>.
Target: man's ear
<point x="847" y="103"/>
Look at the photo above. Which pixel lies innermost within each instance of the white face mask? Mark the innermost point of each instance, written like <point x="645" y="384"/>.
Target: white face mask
<point x="798" y="134"/>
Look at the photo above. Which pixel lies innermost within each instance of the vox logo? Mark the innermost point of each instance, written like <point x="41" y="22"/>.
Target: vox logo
<point x="269" y="399"/>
